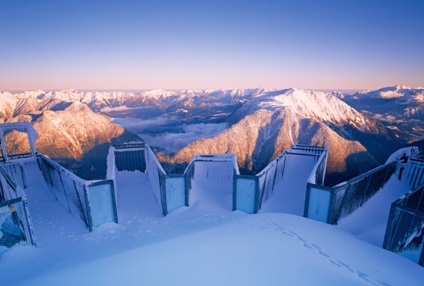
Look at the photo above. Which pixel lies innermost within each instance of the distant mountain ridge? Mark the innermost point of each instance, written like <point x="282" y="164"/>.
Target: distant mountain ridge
<point x="399" y="107"/>
<point x="397" y="91"/>
<point x="41" y="100"/>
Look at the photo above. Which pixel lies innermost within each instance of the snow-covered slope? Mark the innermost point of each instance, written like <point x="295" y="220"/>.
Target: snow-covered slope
<point x="369" y="221"/>
<point x="7" y="105"/>
<point x="193" y="246"/>
<point x="324" y="107"/>
<point x="74" y="131"/>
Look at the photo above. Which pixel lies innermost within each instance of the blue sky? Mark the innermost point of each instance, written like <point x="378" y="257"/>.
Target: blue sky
<point x="339" y="44"/>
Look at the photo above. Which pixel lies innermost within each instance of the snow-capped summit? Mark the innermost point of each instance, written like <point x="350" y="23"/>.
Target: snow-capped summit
<point x="397" y="91"/>
<point x="321" y="106"/>
<point x="158" y="93"/>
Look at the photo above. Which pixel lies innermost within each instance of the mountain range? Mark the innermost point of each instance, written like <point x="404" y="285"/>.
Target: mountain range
<point x="399" y="107"/>
<point x="260" y="123"/>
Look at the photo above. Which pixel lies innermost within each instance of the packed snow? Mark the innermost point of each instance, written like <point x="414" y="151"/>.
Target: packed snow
<point x="290" y="190"/>
<point x="204" y="244"/>
<point x="375" y="212"/>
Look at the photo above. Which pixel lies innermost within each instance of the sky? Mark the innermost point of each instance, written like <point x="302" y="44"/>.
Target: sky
<point x="186" y="44"/>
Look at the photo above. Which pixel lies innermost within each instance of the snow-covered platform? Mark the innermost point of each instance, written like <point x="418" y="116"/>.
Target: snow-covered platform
<point x="193" y="247"/>
<point x="279" y="187"/>
<point x="200" y="226"/>
<point x="206" y="243"/>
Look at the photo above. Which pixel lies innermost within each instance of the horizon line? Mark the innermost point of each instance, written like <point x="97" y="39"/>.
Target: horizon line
<point x="202" y="89"/>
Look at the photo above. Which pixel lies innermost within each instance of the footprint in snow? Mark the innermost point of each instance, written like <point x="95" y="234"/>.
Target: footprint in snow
<point x="310" y="246"/>
<point x="334" y="262"/>
<point x="323" y="254"/>
<point x="369" y="279"/>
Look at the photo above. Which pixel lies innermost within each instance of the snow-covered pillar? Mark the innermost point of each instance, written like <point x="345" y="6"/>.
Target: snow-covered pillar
<point x="3" y="145"/>
<point x="25" y="127"/>
<point x="32" y="136"/>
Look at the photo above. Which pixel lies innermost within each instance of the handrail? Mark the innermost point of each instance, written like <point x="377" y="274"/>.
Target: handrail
<point x="64" y="171"/>
<point x="81" y="205"/>
<point x="130" y="145"/>
<point x="18" y="198"/>
<point x="405" y="223"/>
<point x="19" y="192"/>
<point x="322" y="156"/>
<point x="364" y="175"/>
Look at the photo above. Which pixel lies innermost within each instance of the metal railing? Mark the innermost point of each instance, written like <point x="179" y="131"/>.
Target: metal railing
<point x="330" y="204"/>
<point x="268" y="176"/>
<point x="212" y="171"/>
<point x="156" y="175"/>
<point x="15" y="213"/>
<point x="412" y="173"/>
<point x="267" y="179"/>
<point x="169" y="190"/>
<point x="75" y="193"/>
<point x="405" y="227"/>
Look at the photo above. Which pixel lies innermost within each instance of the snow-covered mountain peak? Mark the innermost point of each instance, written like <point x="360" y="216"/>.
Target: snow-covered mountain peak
<point x="6" y="94"/>
<point x="393" y="92"/>
<point x="242" y="92"/>
<point x="77" y="107"/>
<point x="68" y="95"/>
<point x="394" y="87"/>
<point x="30" y="94"/>
<point x="69" y="90"/>
<point x="401" y="86"/>
<point x="325" y="107"/>
<point x="158" y="93"/>
<point x="191" y="92"/>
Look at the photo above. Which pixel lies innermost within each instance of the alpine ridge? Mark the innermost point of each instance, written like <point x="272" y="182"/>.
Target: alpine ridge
<point x="261" y="123"/>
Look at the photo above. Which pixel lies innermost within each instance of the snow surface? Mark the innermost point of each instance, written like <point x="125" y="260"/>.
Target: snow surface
<point x="204" y="244"/>
<point x="375" y="212"/>
<point x="397" y="155"/>
<point x="290" y="191"/>
<point x="212" y="184"/>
